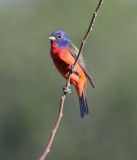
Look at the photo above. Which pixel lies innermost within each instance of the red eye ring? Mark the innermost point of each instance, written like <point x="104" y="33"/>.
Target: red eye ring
<point x="59" y="37"/>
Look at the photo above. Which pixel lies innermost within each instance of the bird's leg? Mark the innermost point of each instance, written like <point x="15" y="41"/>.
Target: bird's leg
<point x="73" y="69"/>
<point x="66" y="90"/>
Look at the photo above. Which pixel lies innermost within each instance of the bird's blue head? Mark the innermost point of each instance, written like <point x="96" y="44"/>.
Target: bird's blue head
<point x="60" y="37"/>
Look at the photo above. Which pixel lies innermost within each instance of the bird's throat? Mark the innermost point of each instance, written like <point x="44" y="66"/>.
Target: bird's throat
<point x="54" y="48"/>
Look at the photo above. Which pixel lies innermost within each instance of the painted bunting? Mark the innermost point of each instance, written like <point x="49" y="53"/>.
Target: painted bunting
<point x="64" y="53"/>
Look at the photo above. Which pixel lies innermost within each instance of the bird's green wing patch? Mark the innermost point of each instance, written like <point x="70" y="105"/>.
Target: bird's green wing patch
<point x="74" y="51"/>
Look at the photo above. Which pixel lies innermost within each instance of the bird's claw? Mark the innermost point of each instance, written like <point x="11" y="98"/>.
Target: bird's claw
<point x="66" y="90"/>
<point x="73" y="69"/>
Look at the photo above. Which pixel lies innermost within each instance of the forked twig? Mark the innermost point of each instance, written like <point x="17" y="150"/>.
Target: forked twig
<point x="68" y="81"/>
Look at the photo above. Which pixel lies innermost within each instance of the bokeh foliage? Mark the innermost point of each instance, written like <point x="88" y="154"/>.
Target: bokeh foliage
<point x="30" y="86"/>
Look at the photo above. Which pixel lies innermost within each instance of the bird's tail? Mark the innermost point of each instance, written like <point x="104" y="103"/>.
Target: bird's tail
<point x="83" y="104"/>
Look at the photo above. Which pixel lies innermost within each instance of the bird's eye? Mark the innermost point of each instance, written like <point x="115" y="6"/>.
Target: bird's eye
<point x="59" y="37"/>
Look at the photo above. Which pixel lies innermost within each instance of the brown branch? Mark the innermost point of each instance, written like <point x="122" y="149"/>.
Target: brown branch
<point x="68" y="81"/>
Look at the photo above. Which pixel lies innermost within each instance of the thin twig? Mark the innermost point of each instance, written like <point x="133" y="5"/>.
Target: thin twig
<point x="68" y="81"/>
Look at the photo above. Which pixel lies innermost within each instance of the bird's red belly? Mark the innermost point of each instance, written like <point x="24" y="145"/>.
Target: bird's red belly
<point x="63" y="61"/>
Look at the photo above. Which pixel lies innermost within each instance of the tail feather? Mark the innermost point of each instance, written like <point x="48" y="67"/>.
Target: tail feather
<point x="83" y="105"/>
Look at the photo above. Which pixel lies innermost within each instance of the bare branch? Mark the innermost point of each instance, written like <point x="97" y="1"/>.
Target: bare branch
<point x="68" y="81"/>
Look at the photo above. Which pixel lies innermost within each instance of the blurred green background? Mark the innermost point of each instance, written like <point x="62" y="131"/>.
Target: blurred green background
<point x="30" y="86"/>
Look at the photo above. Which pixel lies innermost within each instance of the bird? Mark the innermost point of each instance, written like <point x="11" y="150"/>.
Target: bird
<point x="64" y="53"/>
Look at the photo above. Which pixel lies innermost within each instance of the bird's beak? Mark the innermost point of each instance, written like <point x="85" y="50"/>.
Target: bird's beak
<point x="52" y="38"/>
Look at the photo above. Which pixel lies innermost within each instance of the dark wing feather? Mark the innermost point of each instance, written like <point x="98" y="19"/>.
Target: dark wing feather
<point x="74" y="51"/>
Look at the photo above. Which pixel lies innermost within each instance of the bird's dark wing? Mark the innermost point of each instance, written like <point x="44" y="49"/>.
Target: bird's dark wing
<point x="74" y="51"/>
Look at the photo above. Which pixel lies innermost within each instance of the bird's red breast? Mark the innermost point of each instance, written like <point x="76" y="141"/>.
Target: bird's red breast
<point x="63" y="60"/>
